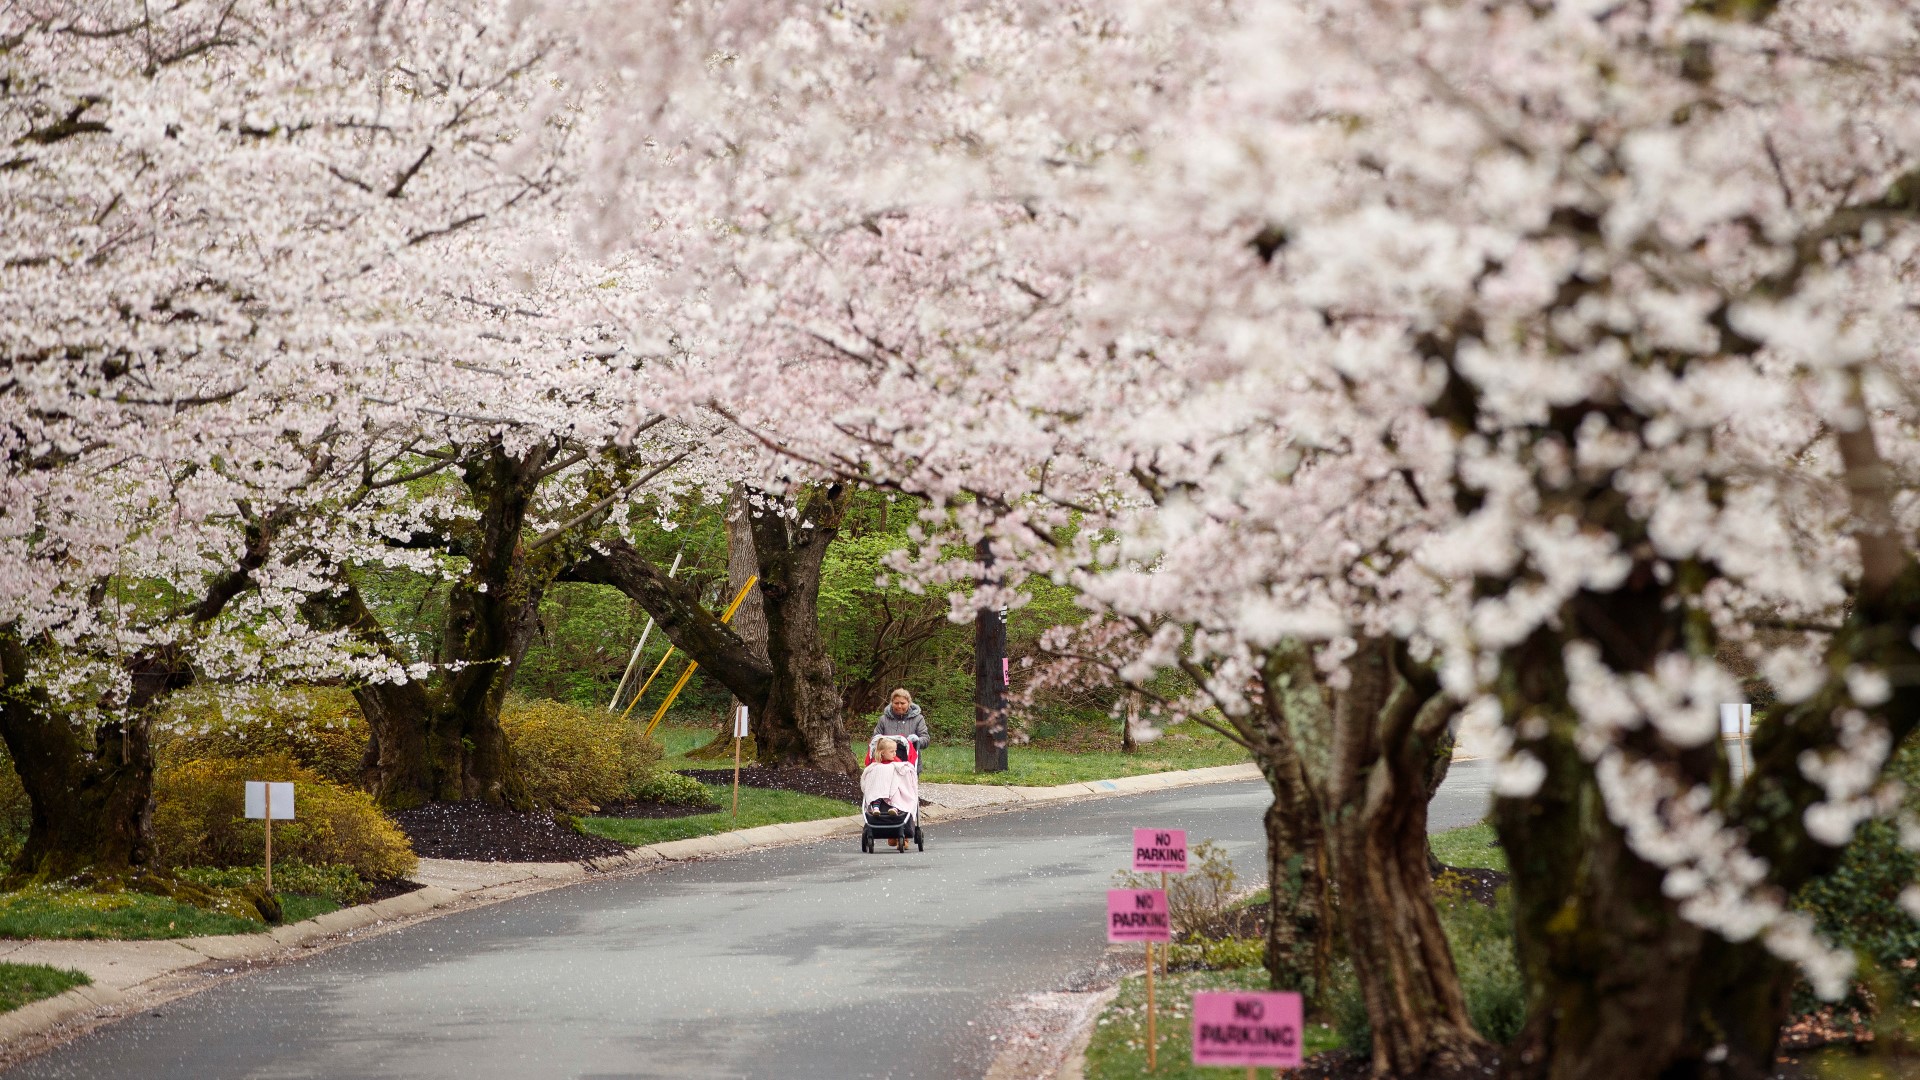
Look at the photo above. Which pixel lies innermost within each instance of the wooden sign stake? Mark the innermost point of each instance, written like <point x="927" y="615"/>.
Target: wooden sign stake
<point x="1168" y="951"/>
<point x="268" y="822"/>
<point x="740" y="721"/>
<point x="1150" y="1039"/>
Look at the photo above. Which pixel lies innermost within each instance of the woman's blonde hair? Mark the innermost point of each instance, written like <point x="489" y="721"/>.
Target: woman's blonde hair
<point x="901" y="690"/>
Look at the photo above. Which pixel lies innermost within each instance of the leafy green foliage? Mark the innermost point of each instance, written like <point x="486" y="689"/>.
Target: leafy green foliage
<point x="758" y="806"/>
<point x="1858" y="904"/>
<point x="318" y="727"/>
<point x="1220" y="954"/>
<point x="574" y="758"/>
<point x="673" y="789"/>
<point x="199" y="820"/>
<point x="339" y="884"/>
<point x="23" y="984"/>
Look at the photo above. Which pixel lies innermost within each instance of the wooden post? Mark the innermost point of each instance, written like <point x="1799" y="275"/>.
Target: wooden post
<point x="989" y="679"/>
<point x="1151" y="1047"/>
<point x="268" y="823"/>
<point x="1168" y="951"/>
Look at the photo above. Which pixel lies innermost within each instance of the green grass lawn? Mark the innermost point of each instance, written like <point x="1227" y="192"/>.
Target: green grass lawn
<point x="1027" y="766"/>
<point x="1472" y="846"/>
<point x="23" y="984"/>
<point x="758" y="806"/>
<point x="1188" y="746"/>
<point x="1119" y="1046"/>
<point x="52" y="912"/>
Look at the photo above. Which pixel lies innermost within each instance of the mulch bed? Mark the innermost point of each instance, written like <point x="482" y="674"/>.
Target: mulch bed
<point x="653" y="810"/>
<point x="805" y="781"/>
<point x="387" y="890"/>
<point x="483" y="833"/>
<point x="1347" y="1065"/>
<point x="1480" y="884"/>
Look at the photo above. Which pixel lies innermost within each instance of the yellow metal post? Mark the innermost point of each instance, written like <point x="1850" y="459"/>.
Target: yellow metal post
<point x="691" y="668"/>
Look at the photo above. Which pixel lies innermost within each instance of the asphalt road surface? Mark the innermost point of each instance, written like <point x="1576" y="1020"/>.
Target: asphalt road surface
<point x="803" y="961"/>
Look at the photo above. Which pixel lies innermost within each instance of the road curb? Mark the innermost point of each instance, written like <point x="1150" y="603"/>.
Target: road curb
<point x="508" y="880"/>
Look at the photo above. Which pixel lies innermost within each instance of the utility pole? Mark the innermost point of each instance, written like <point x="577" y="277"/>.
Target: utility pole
<point x="989" y="678"/>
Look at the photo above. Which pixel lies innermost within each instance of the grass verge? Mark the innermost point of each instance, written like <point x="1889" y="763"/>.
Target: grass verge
<point x="80" y="915"/>
<point x="1119" y="1045"/>
<point x="1472" y="846"/>
<point x="24" y="984"/>
<point x="758" y="806"/>
<point x="52" y="912"/>
<point x="1028" y="766"/>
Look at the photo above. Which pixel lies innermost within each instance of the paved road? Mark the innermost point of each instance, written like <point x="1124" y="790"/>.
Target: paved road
<point x="805" y="961"/>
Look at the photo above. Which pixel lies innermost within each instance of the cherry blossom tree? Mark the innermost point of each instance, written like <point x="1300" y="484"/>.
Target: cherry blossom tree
<point x="1549" y="350"/>
<point x="220" y="220"/>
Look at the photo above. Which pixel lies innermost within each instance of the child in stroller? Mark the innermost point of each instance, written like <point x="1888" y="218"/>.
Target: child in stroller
<point x="889" y="798"/>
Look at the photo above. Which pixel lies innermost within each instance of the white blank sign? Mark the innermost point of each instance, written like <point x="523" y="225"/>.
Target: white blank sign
<point x="740" y="722"/>
<point x="1736" y="719"/>
<point x="282" y="800"/>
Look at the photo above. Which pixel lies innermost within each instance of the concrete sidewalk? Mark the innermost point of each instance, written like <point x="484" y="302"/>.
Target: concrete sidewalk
<point x="136" y="973"/>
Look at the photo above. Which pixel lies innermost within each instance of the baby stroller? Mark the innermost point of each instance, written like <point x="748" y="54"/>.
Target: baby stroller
<point x="889" y="806"/>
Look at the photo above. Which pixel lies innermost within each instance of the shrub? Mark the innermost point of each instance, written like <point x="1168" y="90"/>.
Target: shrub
<point x="199" y="820"/>
<point x="674" y="789"/>
<point x="1222" y="954"/>
<point x="340" y="884"/>
<point x="575" y="758"/>
<point x="319" y="727"/>
<point x="1858" y="904"/>
<point x="1197" y="898"/>
<point x="16" y="813"/>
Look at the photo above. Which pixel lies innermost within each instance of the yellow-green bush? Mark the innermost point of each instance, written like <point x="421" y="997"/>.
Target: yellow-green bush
<point x="16" y="813"/>
<point x="199" y="819"/>
<point x="574" y="758"/>
<point x="319" y="727"/>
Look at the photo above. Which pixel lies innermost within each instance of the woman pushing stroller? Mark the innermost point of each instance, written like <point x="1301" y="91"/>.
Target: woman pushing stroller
<point x="889" y="797"/>
<point x="903" y="722"/>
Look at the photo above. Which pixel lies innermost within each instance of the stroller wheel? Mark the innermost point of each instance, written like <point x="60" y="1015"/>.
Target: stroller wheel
<point x="919" y="838"/>
<point x="866" y="839"/>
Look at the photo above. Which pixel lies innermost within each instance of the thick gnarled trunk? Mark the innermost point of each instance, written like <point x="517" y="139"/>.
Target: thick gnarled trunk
<point x="796" y="707"/>
<point x="1384" y="733"/>
<point x="91" y="792"/>
<point x="802" y="722"/>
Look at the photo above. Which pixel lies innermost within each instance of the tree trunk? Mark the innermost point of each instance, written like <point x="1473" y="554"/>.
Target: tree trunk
<point x="749" y="619"/>
<point x="1300" y="921"/>
<point x="91" y="793"/>
<point x="989" y="680"/>
<point x="802" y="722"/>
<point x="1376" y="814"/>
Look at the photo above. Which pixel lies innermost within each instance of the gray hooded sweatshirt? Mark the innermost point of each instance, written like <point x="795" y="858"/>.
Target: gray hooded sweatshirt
<point x="913" y="725"/>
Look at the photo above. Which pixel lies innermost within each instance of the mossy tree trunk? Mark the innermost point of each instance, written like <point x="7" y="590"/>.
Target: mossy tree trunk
<point x="90" y="785"/>
<point x="797" y="717"/>
<point x="1352" y="770"/>
<point x="439" y="739"/>
<point x="802" y="722"/>
<point x="90" y="788"/>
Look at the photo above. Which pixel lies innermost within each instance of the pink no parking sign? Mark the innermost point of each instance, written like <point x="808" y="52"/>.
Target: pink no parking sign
<point x="1251" y="1028"/>
<point x="1138" y="915"/>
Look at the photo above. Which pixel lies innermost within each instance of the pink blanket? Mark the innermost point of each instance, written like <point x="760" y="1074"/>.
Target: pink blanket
<point x="896" y="782"/>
